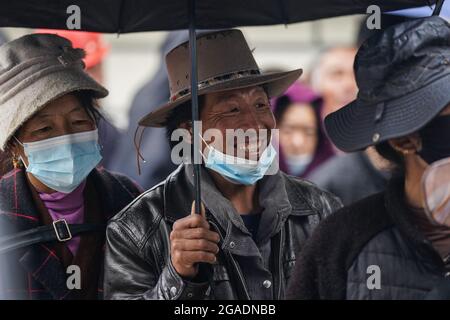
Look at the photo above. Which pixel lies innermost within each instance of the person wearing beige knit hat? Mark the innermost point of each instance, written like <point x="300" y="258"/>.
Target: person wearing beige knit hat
<point x="55" y="202"/>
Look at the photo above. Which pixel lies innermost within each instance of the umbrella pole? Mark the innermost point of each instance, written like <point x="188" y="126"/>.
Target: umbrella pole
<point x="438" y="7"/>
<point x="194" y="104"/>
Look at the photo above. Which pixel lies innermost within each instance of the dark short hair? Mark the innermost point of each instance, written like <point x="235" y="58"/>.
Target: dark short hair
<point x="179" y="115"/>
<point x="90" y="104"/>
<point x="281" y="106"/>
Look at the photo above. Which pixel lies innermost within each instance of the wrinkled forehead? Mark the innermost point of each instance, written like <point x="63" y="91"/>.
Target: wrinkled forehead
<point x="61" y="106"/>
<point x="255" y="91"/>
<point x="66" y="106"/>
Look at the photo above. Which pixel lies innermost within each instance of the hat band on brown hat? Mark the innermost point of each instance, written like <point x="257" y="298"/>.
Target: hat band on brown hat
<point x="216" y="80"/>
<point x="225" y="62"/>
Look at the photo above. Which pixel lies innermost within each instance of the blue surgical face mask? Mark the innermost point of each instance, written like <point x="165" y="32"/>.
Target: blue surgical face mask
<point x="239" y="170"/>
<point x="297" y="164"/>
<point x="62" y="163"/>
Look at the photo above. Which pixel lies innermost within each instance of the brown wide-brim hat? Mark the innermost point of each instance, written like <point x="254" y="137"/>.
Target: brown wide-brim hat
<point x="35" y="70"/>
<point x="225" y="62"/>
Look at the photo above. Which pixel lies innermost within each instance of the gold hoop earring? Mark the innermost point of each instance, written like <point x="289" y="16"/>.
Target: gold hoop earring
<point x="15" y="161"/>
<point x="408" y="151"/>
<point x="404" y="151"/>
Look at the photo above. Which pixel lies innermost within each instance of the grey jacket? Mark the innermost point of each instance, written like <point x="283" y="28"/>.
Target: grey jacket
<point x="351" y="177"/>
<point x="138" y="262"/>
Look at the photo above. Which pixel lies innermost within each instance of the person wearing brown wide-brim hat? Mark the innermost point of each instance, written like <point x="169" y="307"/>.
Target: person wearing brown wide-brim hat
<point x="244" y="244"/>
<point x="394" y="244"/>
<point x="55" y="200"/>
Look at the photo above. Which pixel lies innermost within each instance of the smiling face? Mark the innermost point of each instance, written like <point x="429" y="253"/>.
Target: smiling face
<point x="242" y="109"/>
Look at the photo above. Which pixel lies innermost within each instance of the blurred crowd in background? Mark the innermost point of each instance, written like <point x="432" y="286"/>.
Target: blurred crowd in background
<point x="328" y="83"/>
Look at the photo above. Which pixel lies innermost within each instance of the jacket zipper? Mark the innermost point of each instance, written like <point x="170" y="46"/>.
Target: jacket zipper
<point x="280" y="263"/>
<point x="236" y="266"/>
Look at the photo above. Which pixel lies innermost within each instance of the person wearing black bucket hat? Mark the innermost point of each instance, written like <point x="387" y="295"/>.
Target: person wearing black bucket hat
<point x="389" y="245"/>
<point x="244" y="244"/>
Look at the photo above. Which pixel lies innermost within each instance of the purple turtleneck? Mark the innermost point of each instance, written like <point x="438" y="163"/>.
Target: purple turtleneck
<point x="68" y="206"/>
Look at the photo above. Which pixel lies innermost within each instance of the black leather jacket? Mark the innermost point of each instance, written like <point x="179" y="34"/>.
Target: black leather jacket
<point x="138" y="262"/>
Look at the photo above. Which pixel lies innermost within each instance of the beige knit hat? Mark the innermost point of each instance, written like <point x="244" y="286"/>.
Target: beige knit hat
<point x="35" y="70"/>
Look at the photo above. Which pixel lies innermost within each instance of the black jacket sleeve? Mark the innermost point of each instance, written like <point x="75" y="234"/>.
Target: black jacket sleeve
<point x="137" y="258"/>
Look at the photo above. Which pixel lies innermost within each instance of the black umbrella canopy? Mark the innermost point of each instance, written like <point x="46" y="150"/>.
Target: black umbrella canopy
<point x="123" y="16"/>
<point x="120" y="16"/>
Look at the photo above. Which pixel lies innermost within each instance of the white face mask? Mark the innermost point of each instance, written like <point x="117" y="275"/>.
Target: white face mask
<point x="297" y="164"/>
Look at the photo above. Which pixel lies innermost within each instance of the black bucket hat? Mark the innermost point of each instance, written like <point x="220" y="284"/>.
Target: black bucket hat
<point x="403" y="75"/>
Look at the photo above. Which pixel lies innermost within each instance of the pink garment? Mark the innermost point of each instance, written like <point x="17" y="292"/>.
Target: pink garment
<point x="68" y="206"/>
